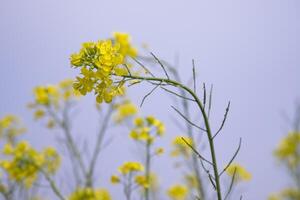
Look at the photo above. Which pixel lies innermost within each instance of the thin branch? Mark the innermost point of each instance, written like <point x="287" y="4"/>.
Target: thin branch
<point x="204" y="95"/>
<point x="231" y="184"/>
<point x="196" y="152"/>
<point x="144" y="98"/>
<point x="127" y="69"/>
<point x="184" y="117"/>
<point x="170" y="91"/>
<point x="233" y="157"/>
<point x="176" y="122"/>
<point x="212" y="181"/>
<point x="224" y="120"/>
<point x="194" y="75"/>
<point x="143" y="66"/>
<point x="210" y="100"/>
<point x="160" y="63"/>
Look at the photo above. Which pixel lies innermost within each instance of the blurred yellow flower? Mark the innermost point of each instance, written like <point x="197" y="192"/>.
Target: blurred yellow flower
<point x="114" y="179"/>
<point x="90" y="194"/>
<point x="126" y="48"/>
<point x="24" y="163"/>
<point x="180" y="147"/>
<point x="125" y="110"/>
<point x="147" y="129"/>
<point x="241" y="174"/>
<point x="178" y="192"/>
<point x="10" y="128"/>
<point x="159" y="151"/>
<point x="141" y="180"/>
<point x="129" y="167"/>
<point x="288" y="149"/>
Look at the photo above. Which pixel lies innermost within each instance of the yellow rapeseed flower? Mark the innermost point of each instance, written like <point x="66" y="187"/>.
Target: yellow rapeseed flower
<point x="241" y="174"/>
<point x="24" y="163"/>
<point x="90" y="194"/>
<point x="114" y="179"/>
<point x="10" y="128"/>
<point x="125" y="110"/>
<point x="180" y="147"/>
<point x="178" y="192"/>
<point x="288" y="149"/>
<point x="141" y="180"/>
<point x="99" y="63"/>
<point x="129" y="167"/>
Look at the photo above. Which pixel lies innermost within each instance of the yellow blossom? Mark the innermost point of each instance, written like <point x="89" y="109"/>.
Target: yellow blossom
<point x="180" y="147"/>
<point x="10" y="128"/>
<point x="141" y="180"/>
<point x="100" y="62"/>
<point x="159" y="151"/>
<point x="39" y="114"/>
<point x="241" y="174"/>
<point x="126" y="48"/>
<point x="147" y="129"/>
<point x="90" y="194"/>
<point x="178" y="192"/>
<point x="129" y="167"/>
<point x="114" y="179"/>
<point x="124" y="110"/>
<point x="288" y="149"/>
<point x="24" y="163"/>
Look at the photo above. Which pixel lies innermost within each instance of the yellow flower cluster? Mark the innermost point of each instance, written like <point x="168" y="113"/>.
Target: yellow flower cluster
<point x="126" y="49"/>
<point x="10" y="128"/>
<point x="130" y="168"/>
<point x="180" y="147"/>
<point x="178" y="192"/>
<point x="241" y="174"/>
<point x="289" y="193"/>
<point x="25" y="162"/>
<point x="144" y="127"/>
<point x="90" y="194"/>
<point x="124" y="110"/>
<point x="98" y="62"/>
<point x="288" y="149"/>
<point x="52" y="96"/>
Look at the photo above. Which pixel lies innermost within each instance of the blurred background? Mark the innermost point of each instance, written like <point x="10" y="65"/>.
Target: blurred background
<point x="249" y="51"/>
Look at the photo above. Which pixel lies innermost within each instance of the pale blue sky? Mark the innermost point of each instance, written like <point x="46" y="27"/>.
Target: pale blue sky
<point x="248" y="49"/>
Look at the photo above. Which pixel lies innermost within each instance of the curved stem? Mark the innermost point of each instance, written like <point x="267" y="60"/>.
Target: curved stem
<point x="90" y="172"/>
<point x="206" y="122"/>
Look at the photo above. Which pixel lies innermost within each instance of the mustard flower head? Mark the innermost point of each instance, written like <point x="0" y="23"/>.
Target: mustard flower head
<point x="241" y="174"/>
<point x="24" y="163"/>
<point x="288" y="149"/>
<point x="146" y="129"/>
<point x="54" y="95"/>
<point x="10" y="128"/>
<point x="99" y="62"/>
<point x="54" y="98"/>
<point x="124" y="110"/>
<point x="142" y="181"/>
<point x="180" y="147"/>
<point x="90" y="194"/>
<point x="130" y="167"/>
<point x="126" y="49"/>
<point x="178" y="192"/>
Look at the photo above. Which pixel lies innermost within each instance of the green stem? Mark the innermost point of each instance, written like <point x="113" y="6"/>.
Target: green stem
<point x="147" y="170"/>
<point x="206" y="122"/>
<point x="90" y="172"/>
